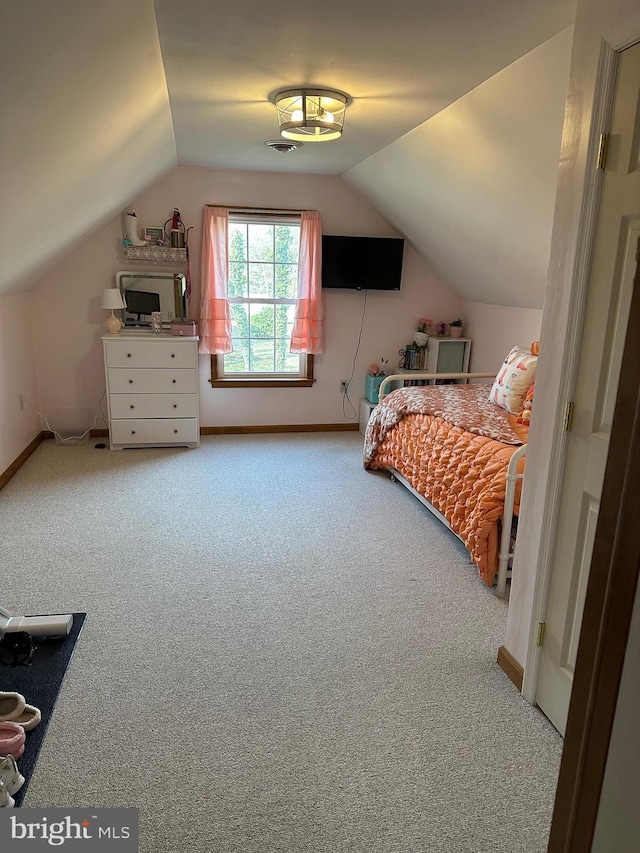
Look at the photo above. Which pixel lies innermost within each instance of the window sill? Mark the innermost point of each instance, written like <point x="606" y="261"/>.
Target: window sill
<point x="294" y="381"/>
<point x="252" y="382"/>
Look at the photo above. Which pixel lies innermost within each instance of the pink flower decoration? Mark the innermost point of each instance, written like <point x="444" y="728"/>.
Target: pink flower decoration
<point x="374" y="369"/>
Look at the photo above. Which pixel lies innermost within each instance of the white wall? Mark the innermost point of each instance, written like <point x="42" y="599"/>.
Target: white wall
<point x="18" y="427"/>
<point x="618" y="824"/>
<point x="594" y="21"/>
<point x="68" y="320"/>
<point x="474" y="186"/>
<point x="495" y="329"/>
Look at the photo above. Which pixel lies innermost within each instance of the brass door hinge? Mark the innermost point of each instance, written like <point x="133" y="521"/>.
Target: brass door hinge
<point x="601" y="159"/>
<point x="540" y="637"/>
<point x="567" y="424"/>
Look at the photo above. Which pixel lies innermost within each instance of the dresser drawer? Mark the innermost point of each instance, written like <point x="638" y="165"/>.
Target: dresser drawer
<point x="154" y="431"/>
<point x="153" y="405"/>
<point x="123" y="353"/>
<point x="150" y="381"/>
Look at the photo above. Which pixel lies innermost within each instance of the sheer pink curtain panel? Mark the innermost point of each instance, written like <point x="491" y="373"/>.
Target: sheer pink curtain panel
<point x="308" y="328"/>
<point x="215" y="317"/>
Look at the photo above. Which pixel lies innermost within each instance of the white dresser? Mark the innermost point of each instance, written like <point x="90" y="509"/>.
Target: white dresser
<point x="152" y="390"/>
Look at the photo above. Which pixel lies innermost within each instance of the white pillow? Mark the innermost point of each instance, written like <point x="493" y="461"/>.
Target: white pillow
<point x="514" y="378"/>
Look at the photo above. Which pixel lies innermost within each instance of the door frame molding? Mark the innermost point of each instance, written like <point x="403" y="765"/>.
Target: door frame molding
<point x="610" y="48"/>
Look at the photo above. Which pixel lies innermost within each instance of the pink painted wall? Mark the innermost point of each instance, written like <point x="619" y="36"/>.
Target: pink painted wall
<point x="495" y="329"/>
<point x="68" y="320"/>
<point x="18" y="427"/>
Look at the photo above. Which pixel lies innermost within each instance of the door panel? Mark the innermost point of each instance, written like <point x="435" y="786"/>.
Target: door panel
<point x="610" y="288"/>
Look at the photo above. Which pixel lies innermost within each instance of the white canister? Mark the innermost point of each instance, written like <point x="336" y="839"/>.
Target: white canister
<point x="131" y="229"/>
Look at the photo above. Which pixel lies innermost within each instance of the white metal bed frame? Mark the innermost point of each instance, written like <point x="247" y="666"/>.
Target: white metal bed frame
<point x="505" y="553"/>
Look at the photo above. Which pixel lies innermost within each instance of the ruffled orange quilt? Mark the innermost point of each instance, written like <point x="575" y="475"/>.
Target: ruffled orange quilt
<point x="453" y="446"/>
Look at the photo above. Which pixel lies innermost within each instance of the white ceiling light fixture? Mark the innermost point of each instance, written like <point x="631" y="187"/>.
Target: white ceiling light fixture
<point x="311" y="115"/>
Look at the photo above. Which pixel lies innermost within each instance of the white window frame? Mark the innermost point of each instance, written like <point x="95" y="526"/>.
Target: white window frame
<point x="304" y="376"/>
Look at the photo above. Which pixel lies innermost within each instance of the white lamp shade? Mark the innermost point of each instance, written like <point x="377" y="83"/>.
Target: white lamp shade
<point x="112" y="299"/>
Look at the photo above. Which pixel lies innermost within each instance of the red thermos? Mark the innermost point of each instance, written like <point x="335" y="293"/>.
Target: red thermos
<point x="177" y="230"/>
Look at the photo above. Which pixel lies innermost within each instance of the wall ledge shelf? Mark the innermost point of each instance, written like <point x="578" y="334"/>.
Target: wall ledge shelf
<point x="154" y="253"/>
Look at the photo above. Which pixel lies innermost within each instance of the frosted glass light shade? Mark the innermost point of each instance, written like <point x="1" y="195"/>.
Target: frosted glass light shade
<point x="112" y="299"/>
<point x="311" y="115"/>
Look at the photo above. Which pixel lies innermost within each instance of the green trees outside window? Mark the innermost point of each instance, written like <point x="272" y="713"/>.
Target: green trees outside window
<point x="263" y="283"/>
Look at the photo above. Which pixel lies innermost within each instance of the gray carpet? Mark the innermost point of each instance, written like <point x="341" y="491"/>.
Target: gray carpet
<point x="283" y="652"/>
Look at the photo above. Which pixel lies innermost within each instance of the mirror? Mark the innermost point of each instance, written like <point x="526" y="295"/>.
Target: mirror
<point x="144" y="292"/>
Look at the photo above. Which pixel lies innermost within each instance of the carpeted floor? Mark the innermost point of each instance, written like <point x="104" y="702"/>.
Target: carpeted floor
<point x="282" y="652"/>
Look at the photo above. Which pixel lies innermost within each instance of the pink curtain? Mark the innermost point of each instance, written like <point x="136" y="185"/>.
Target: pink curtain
<point x="215" y="318"/>
<point x="308" y="329"/>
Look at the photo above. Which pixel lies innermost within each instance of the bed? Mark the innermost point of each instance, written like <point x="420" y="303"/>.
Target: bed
<point x="461" y="454"/>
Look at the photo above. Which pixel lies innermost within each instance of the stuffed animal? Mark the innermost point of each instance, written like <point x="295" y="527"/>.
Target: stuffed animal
<point x="525" y="415"/>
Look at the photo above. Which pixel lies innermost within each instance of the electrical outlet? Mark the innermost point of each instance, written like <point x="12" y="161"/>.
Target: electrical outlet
<point x="343" y="386"/>
<point x="21" y="403"/>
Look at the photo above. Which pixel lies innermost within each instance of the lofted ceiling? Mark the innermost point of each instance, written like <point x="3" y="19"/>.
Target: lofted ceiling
<point x="100" y="99"/>
<point x="401" y="63"/>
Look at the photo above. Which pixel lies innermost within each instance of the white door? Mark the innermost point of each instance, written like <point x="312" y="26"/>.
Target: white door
<point x="612" y="273"/>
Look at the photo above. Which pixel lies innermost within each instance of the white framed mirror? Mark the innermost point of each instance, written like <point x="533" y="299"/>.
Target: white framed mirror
<point x="144" y="292"/>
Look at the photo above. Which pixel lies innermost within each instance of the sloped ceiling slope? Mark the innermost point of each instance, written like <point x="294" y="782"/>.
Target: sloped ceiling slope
<point x="88" y="117"/>
<point x="85" y="126"/>
<point x="474" y="187"/>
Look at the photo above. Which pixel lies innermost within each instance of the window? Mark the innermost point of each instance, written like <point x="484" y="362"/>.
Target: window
<point x="262" y="289"/>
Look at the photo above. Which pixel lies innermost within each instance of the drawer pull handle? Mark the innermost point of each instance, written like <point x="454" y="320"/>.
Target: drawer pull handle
<point x="133" y="432"/>
<point x="131" y="382"/>
<point x="175" y="406"/>
<point x="132" y="406"/>
<point x="174" y="381"/>
<point x="173" y="355"/>
<point x="176" y="431"/>
<point x="128" y="355"/>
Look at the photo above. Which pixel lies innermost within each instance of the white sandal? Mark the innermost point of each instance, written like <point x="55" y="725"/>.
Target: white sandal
<point x="6" y="800"/>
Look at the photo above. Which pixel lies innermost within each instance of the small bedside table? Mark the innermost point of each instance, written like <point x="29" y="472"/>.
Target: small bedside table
<point x="366" y="407"/>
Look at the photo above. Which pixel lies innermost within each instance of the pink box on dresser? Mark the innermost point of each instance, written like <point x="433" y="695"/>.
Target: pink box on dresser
<point x="184" y="328"/>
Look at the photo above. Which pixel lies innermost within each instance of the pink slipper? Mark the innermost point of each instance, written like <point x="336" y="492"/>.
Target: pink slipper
<point x="12" y="737"/>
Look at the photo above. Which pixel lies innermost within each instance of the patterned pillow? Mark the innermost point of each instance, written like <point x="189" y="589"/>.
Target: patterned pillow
<point x="516" y="375"/>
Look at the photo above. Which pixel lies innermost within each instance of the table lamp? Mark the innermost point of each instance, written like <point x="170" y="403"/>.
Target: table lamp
<point x="112" y="299"/>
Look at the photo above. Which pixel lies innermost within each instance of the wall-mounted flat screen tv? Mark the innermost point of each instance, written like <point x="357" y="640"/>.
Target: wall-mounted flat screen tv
<point x="362" y="263"/>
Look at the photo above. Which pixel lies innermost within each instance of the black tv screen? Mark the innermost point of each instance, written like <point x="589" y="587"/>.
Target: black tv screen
<point x="141" y="302"/>
<point x="362" y="263"/>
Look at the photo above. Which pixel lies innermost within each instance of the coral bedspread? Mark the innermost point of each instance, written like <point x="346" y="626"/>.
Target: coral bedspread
<point x="453" y="446"/>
